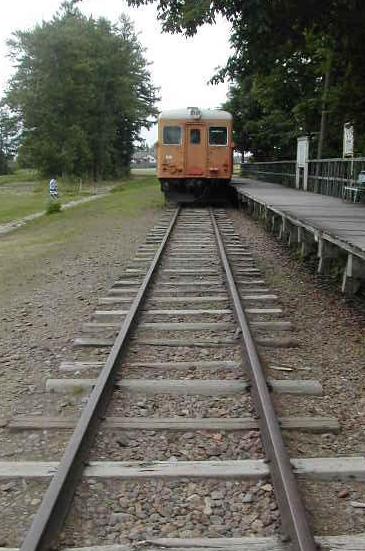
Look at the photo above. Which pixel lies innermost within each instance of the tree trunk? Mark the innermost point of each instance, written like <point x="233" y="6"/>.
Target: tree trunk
<point x="324" y="111"/>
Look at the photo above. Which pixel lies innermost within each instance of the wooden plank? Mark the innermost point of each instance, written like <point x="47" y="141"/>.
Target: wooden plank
<point x="162" y="326"/>
<point x="253" y="290"/>
<point x="201" y="364"/>
<point x="184" y="312"/>
<point x="191" y="299"/>
<point x="259" y="297"/>
<point x="323" y="468"/>
<point x="216" y="298"/>
<point x="308" y="424"/>
<point x="244" y="469"/>
<point x="118" y="313"/>
<point x="93" y="342"/>
<point x="123" y="282"/>
<point x="249" y="282"/>
<point x="248" y="543"/>
<point x="352" y="542"/>
<point x="197" y="283"/>
<point x="262" y="311"/>
<point x="115" y="300"/>
<point x="207" y="343"/>
<point x="120" y="290"/>
<point x="331" y="468"/>
<point x="189" y="326"/>
<point x="27" y="469"/>
<point x="188" y="387"/>
<point x="193" y="271"/>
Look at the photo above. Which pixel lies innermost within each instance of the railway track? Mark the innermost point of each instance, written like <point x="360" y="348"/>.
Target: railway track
<point x="180" y="408"/>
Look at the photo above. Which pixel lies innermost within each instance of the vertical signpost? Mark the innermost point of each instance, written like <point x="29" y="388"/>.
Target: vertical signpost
<point x="302" y="162"/>
<point x="348" y="140"/>
<point x="348" y="145"/>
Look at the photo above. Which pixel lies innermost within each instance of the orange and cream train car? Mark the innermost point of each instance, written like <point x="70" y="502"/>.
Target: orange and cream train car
<point x="195" y="153"/>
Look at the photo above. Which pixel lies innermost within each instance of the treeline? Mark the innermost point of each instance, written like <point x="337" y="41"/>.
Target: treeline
<point x="296" y="68"/>
<point x="80" y="95"/>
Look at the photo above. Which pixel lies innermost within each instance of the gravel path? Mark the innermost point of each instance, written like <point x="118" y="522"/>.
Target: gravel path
<point x="41" y="317"/>
<point x="330" y="331"/>
<point x="329" y="335"/>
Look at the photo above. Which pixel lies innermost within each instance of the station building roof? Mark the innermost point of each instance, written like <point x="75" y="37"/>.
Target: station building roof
<point x="195" y="113"/>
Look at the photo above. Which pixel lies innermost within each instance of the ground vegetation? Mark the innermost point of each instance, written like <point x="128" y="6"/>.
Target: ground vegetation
<point x="81" y="93"/>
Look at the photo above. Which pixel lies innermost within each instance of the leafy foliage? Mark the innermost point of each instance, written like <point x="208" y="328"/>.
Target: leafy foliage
<point x="9" y="132"/>
<point x="283" y="51"/>
<point x="82" y="91"/>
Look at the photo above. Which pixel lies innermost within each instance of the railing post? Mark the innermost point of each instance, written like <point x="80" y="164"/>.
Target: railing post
<point x="305" y="175"/>
<point x="297" y="176"/>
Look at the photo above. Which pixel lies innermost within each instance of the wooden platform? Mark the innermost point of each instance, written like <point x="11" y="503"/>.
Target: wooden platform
<point x="326" y="225"/>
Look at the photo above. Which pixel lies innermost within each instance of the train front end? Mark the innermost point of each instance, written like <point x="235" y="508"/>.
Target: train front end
<point x="195" y="154"/>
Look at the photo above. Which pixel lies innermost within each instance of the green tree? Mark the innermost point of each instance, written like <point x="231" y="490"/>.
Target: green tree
<point x="9" y="132"/>
<point x="83" y="91"/>
<point x="296" y="67"/>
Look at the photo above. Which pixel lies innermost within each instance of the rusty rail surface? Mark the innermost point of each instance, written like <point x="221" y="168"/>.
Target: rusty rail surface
<point x="294" y="522"/>
<point x="50" y="516"/>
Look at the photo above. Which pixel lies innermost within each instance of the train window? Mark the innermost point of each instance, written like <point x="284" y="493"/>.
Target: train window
<point x="172" y="135"/>
<point x="195" y="136"/>
<point x="217" y="135"/>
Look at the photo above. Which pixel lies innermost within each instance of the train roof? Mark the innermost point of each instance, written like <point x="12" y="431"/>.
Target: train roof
<point x="194" y="113"/>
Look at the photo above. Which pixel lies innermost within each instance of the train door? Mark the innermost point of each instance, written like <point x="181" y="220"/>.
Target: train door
<point x="220" y="151"/>
<point x="195" y="150"/>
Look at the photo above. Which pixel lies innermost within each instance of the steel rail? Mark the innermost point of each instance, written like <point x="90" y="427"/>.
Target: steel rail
<point x="294" y="521"/>
<point x="51" y="514"/>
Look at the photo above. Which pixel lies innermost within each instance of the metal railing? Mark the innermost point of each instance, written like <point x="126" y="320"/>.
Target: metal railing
<point x="325" y="176"/>
<point x="330" y="176"/>
<point x="277" y="172"/>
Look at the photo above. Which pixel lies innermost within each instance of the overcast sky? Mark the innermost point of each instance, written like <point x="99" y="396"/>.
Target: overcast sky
<point x="180" y="66"/>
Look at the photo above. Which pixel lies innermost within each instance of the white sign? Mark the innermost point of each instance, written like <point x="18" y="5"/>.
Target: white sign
<point x="302" y="151"/>
<point x="195" y="112"/>
<point x="348" y="140"/>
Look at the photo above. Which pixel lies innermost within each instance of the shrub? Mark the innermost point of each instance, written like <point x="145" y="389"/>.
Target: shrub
<point x="53" y="206"/>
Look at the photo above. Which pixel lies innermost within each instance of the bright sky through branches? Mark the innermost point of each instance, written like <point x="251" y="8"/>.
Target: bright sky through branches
<point x="180" y="66"/>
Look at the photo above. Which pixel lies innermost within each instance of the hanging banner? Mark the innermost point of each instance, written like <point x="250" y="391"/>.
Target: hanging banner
<point x="348" y="140"/>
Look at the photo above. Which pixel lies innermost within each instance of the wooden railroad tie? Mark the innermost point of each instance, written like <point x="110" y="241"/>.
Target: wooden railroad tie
<point x="189" y="387"/>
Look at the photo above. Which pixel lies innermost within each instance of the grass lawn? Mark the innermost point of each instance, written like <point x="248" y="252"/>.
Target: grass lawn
<point x="23" y="193"/>
<point x="24" y="251"/>
<point x="19" y="176"/>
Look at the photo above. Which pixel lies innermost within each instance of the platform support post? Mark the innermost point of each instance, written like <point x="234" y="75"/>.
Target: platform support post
<point x="293" y="234"/>
<point x="326" y="253"/>
<point x="306" y="244"/>
<point x="305" y="176"/>
<point x="354" y="275"/>
<point x="274" y="223"/>
<point x="284" y="229"/>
